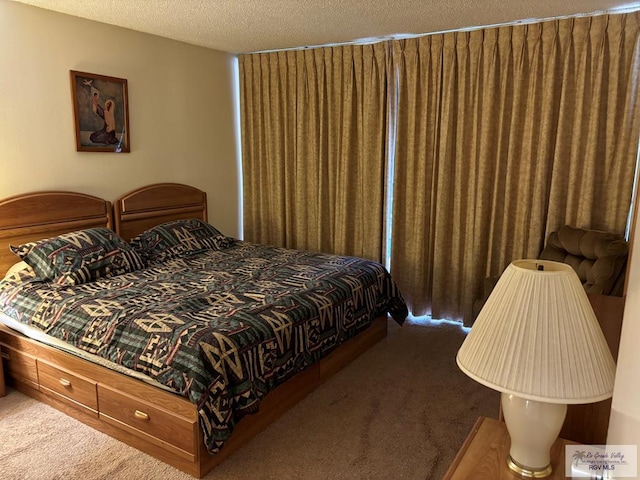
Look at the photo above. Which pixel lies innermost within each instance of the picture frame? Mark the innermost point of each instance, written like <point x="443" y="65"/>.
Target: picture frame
<point x="101" y="112"/>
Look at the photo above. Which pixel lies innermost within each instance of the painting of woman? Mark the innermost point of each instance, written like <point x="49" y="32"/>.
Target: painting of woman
<point x="107" y="134"/>
<point x="101" y="111"/>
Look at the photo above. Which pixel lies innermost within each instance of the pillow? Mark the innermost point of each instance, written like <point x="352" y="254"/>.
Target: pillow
<point x="178" y="238"/>
<point x="21" y="271"/>
<point x="17" y="267"/>
<point x="80" y="257"/>
<point x="41" y="264"/>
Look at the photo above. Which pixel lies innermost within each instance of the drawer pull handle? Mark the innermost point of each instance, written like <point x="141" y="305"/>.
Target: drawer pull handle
<point x="141" y="415"/>
<point x="5" y="355"/>
<point x="65" y="383"/>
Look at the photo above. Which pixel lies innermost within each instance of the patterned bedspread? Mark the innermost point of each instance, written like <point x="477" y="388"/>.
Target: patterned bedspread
<point x="221" y="328"/>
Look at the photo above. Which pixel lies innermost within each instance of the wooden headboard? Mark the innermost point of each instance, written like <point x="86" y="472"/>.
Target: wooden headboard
<point x="154" y="204"/>
<point x="34" y="216"/>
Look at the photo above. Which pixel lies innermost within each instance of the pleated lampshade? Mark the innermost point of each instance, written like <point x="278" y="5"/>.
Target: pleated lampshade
<point x="537" y="337"/>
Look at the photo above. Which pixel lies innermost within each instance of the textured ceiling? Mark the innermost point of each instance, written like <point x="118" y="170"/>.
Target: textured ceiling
<point x="239" y="26"/>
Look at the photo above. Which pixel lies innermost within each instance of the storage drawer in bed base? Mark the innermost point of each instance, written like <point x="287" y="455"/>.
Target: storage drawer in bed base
<point x="19" y="367"/>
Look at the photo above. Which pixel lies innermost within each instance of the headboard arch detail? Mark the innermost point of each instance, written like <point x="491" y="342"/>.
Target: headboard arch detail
<point x="154" y="204"/>
<point x="37" y="215"/>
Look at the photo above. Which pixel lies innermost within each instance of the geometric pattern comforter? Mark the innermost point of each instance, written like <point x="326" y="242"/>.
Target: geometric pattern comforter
<point x="221" y="328"/>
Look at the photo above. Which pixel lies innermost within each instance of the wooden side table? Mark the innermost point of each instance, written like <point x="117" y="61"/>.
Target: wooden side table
<point x="483" y="455"/>
<point x="2" y="387"/>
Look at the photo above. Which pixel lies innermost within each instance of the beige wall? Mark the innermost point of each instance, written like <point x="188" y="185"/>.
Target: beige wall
<point x="181" y="111"/>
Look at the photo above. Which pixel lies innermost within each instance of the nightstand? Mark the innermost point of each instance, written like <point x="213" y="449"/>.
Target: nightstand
<point x="483" y="454"/>
<point x="2" y="387"/>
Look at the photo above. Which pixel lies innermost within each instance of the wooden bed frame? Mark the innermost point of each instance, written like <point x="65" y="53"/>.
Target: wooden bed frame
<point x="150" y="419"/>
<point x="33" y="216"/>
<point x="152" y="205"/>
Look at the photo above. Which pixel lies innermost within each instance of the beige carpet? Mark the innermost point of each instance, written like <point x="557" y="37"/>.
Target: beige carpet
<point x="400" y="411"/>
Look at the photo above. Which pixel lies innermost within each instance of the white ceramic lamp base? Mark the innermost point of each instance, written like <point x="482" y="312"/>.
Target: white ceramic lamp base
<point x="533" y="427"/>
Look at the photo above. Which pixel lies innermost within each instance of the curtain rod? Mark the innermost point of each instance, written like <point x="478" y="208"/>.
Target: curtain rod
<point x="368" y="41"/>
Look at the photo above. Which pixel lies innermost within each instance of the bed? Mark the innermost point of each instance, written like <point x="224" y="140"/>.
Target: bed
<point x="140" y="410"/>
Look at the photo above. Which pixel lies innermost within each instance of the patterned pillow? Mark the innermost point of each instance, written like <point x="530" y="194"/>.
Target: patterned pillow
<point x="178" y="238"/>
<point x="80" y="257"/>
<point x="21" y="271"/>
<point x="40" y="263"/>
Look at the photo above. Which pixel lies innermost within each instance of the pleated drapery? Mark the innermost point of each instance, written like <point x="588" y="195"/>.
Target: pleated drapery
<point x="504" y="135"/>
<point x="498" y="137"/>
<point x="314" y="141"/>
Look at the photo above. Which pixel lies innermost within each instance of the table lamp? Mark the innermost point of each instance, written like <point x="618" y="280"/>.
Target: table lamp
<point x="537" y="340"/>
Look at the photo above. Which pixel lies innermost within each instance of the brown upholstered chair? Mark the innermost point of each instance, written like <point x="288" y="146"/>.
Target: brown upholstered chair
<point x="599" y="258"/>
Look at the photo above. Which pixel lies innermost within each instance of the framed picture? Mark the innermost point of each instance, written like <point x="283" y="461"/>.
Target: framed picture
<point x="101" y="112"/>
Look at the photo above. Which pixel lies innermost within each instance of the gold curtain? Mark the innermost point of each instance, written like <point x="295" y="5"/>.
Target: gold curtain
<point x="314" y="142"/>
<point x="503" y="135"/>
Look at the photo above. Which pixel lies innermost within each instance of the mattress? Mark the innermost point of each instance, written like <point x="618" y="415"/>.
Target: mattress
<point x="221" y="327"/>
<point x="40" y="336"/>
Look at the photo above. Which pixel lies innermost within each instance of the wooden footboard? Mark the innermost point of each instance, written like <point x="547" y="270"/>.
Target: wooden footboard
<point x="150" y="419"/>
